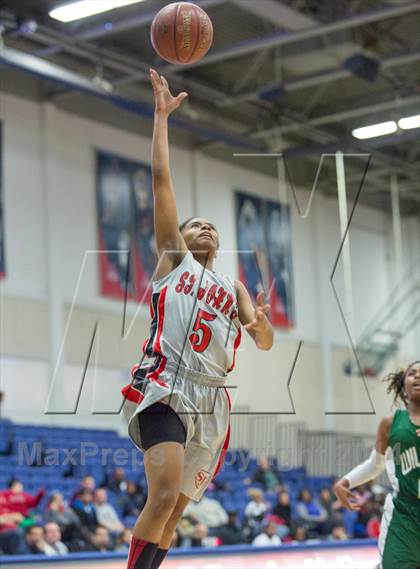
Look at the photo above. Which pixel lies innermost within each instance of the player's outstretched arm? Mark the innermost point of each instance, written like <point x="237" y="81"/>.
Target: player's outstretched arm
<point x="365" y="471"/>
<point x="168" y="237"/>
<point x="254" y="319"/>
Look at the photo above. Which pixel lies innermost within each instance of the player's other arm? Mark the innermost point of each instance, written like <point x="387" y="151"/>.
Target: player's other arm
<point x="168" y="236"/>
<point x="365" y="471"/>
<point x="254" y="319"/>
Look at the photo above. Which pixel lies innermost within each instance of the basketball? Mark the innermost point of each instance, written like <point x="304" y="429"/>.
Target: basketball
<point x="181" y="33"/>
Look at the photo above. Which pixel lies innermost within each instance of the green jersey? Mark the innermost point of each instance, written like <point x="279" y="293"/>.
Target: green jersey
<point x="405" y="446"/>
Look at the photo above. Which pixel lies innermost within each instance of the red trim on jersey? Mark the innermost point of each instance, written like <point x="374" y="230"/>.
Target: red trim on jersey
<point x="235" y="347"/>
<point x="227" y="439"/>
<point x="157" y="348"/>
<point x="161" y="316"/>
<point x="132" y="394"/>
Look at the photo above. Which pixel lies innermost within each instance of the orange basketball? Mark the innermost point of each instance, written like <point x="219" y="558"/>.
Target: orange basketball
<point x="181" y="33"/>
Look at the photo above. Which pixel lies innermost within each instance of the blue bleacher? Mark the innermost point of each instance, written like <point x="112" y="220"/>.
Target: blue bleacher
<point x="59" y="476"/>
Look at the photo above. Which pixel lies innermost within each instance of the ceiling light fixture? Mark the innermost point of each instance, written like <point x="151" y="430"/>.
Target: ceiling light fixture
<point x="373" y="130"/>
<point x="409" y="122"/>
<point x="85" y="8"/>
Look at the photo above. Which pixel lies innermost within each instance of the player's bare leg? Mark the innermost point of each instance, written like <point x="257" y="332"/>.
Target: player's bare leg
<point x="164" y="466"/>
<point x="169" y="531"/>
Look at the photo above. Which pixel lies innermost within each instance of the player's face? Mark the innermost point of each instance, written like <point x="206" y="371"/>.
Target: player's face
<point x="412" y="382"/>
<point x="201" y="235"/>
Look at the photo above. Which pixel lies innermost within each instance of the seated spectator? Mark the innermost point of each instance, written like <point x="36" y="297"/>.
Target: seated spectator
<point x="132" y="501"/>
<point x="34" y="541"/>
<point x="231" y="532"/>
<point x="100" y="540"/>
<point x="268" y="536"/>
<point x="208" y="512"/>
<point x="16" y="500"/>
<point x="282" y="508"/>
<point x="331" y="506"/>
<point x="311" y="513"/>
<point x="266" y="475"/>
<point x="300" y="534"/>
<point x="61" y="514"/>
<point x="87" y="483"/>
<point x="124" y="540"/>
<point x="338" y="533"/>
<point x="53" y="543"/>
<point x="85" y="510"/>
<point x="254" y="514"/>
<point x="10" y="536"/>
<point x="117" y="481"/>
<point x="106" y="514"/>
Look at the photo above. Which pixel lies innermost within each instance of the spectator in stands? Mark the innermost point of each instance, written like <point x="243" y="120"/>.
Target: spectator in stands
<point x="338" y="533"/>
<point x="268" y="536"/>
<point x="208" y="512"/>
<point x="106" y="514"/>
<point x="311" y="513"/>
<point x="117" y="481"/>
<point x="331" y="506"/>
<point x="300" y="534"/>
<point x="53" y="543"/>
<point x="132" y="501"/>
<point x="10" y="536"/>
<point x="282" y="509"/>
<point x="61" y="514"/>
<point x="16" y="500"/>
<point x="34" y="540"/>
<point x="254" y="514"/>
<point x="85" y="510"/>
<point x="101" y="540"/>
<point x="87" y="483"/>
<point x="231" y="532"/>
<point x="266" y="475"/>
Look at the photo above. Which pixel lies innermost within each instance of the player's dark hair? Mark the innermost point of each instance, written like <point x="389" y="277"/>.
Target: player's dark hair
<point x="396" y="381"/>
<point x="184" y="224"/>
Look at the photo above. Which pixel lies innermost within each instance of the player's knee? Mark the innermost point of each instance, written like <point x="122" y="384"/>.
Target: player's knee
<point x="165" y="501"/>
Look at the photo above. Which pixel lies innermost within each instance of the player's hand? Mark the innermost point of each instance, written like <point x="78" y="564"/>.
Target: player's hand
<point x="260" y="322"/>
<point x="418" y="432"/>
<point x="165" y="102"/>
<point x="345" y="496"/>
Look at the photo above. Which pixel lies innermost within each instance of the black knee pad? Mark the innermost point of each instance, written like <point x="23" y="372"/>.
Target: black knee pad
<point x="160" y="424"/>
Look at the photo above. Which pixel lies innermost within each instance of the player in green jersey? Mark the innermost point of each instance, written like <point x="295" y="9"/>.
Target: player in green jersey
<point x="399" y="434"/>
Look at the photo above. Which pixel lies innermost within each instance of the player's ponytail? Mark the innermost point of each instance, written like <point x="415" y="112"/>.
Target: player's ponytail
<point x="395" y="383"/>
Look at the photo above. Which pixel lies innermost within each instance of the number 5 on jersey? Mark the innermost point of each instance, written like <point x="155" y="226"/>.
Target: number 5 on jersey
<point x="198" y="341"/>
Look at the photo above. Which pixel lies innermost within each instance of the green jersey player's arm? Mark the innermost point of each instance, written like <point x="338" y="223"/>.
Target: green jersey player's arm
<point x="167" y="234"/>
<point x="254" y="318"/>
<point x="365" y="471"/>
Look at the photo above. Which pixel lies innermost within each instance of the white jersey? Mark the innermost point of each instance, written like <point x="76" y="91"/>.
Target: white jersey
<point x="195" y="322"/>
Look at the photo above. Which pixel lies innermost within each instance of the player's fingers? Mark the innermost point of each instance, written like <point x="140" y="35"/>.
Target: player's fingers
<point x="266" y="308"/>
<point x="260" y="298"/>
<point x="164" y="82"/>
<point x="418" y="432"/>
<point x="181" y="97"/>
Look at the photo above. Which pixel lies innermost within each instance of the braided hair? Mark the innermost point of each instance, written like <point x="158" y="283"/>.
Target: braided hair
<point x="396" y="382"/>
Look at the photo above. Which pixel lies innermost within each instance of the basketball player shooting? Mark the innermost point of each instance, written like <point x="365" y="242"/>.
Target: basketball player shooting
<point x="178" y="404"/>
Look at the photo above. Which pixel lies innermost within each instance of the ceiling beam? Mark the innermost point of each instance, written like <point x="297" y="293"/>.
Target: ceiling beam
<point x="304" y="123"/>
<point x="71" y="80"/>
<point x="277" y="13"/>
<point x="312" y="79"/>
<point x="280" y="38"/>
